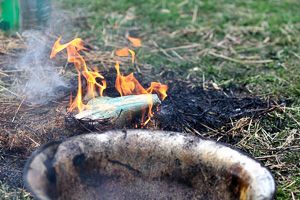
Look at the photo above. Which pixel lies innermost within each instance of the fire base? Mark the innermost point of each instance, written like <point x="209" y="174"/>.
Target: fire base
<point x="142" y="164"/>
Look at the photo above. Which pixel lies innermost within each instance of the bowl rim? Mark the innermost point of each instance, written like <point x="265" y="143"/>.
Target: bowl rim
<point x="59" y="141"/>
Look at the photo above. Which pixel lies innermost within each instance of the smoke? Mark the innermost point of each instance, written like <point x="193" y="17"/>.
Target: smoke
<point x="41" y="81"/>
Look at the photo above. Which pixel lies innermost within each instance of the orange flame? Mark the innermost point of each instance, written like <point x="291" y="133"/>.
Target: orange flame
<point x="132" y="55"/>
<point x="125" y="52"/>
<point x="116" y="25"/>
<point x="126" y="85"/>
<point x="74" y="57"/>
<point x="129" y="85"/>
<point x="122" y="52"/>
<point x="135" y="41"/>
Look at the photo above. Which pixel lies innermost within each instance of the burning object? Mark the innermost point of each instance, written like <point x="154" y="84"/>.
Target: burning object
<point x="119" y="109"/>
<point x="105" y="107"/>
<point x="142" y="164"/>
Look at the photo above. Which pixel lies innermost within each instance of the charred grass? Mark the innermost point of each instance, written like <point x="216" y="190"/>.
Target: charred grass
<point x="251" y="45"/>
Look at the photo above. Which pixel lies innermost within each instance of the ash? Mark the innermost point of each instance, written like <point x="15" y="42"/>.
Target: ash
<point x="202" y="109"/>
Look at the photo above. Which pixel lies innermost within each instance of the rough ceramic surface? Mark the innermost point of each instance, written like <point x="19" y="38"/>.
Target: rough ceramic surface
<point x="142" y="164"/>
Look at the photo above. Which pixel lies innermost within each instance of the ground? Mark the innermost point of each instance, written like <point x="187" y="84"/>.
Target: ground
<point x="251" y="45"/>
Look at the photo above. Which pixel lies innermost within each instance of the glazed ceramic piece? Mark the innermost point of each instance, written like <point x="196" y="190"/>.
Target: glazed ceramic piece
<point x="143" y="164"/>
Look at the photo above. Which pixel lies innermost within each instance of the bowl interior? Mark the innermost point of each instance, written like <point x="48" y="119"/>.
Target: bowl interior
<point x="142" y="164"/>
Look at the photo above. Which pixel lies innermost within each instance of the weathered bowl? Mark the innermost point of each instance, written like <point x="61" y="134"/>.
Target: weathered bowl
<point x="142" y="164"/>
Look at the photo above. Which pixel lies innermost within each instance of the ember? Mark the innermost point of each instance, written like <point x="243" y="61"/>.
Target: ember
<point x="125" y="85"/>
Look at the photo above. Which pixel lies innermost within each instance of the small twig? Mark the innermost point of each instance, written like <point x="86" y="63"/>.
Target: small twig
<point x="65" y="67"/>
<point x="182" y="3"/>
<point x="32" y="140"/>
<point x="290" y="108"/>
<point x="243" y="124"/>
<point x="281" y="149"/>
<point x="161" y="49"/>
<point x="18" y="110"/>
<point x="208" y="34"/>
<point x="3" y="74"/>
<point x="9" y="91"/>
<point x="180" y="47"/>
<point x="288" y="114"/>
<point x="264" y="157"/>
<point x="293" y="197"/>
<point x="179" y="56"/>
<point x="195" y="131"/>
<point x="208" y="128"/>
<point x="240" y="61"/>
<point x="118" y="116"/>
<point x="195" y="14"/>
<point x="296" y="55"/>
<point x="20" y="37"/>
<point x="82" y="124"/>
<point x="292" y="183"/>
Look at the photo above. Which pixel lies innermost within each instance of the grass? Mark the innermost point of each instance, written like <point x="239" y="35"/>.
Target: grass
<point x="240" y="30"/>
<point x="252" y="44"/>
<point x="7" y="192"/>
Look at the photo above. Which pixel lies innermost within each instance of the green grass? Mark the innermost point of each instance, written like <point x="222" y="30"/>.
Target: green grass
<point x="7" y="192"/>
<point x="275" y="22"/>
<point x="241" y="30"/>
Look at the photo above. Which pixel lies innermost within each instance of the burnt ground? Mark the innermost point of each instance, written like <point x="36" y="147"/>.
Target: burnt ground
<point x="200" y="108"/>
<point x="203" y="109"/>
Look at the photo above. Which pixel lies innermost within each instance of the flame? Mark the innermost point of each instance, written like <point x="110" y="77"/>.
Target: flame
<point x="158" y="88"/>
<point x="116" y="25"/>
<point x="135" y="41"/>
<point x="91" y="79"/>
<point x="122" y="52"/>
<point x="125" y="52"/>
<point x="125" y="85"/>
<point x="74" y="57"/>
<point x="132" y="55"/>
<point x="129" y="85"/>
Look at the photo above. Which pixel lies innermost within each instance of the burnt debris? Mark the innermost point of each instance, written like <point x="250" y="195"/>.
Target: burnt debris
<point x="206" y="108"/>
<point x="200" y="106"/>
